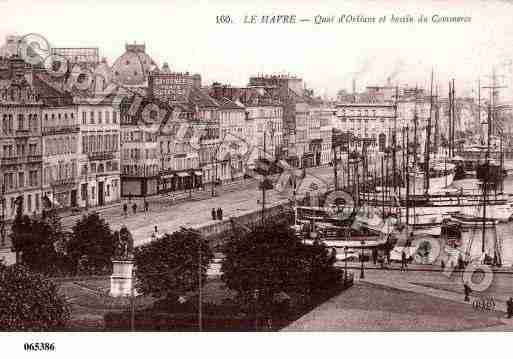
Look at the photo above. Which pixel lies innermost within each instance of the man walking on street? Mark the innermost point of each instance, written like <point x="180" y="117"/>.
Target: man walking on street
<point x="509" y="307"/>
<point x="220" y="214"/>
<point x="467" y="291"/>
<point x="134" y="208"/>
<point x="403" y="261"/>
<point x="146" y="205"/>
<point x="214" y="216"/>
<point x="125" y="209"/>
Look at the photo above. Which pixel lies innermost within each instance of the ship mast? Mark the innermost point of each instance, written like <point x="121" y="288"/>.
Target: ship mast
<point x="485" y="178"/>
<point x="394" y="163"/>
<point x="479" y="105"/>
<point x="490" y="118"/>
<point x="407" y="181"/>
<point x="437" y="115"/>
<point x="428" y="140"/>
<point x="414" y="153"/>
<point x="449" y="122"/>
<point x="415" y="130"/>
<point x="453" y="118"/>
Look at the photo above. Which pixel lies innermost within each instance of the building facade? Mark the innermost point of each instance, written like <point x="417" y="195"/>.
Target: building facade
<point x="140" y="152"/>
<point x="20" y="141"/>
<point x="99" y="151"/>
<point x="262" y="130"/>
<point x="232" y="131"/>
<point x="60" y="145"/>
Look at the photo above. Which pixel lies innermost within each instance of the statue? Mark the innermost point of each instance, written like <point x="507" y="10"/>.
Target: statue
<point x="121" y="280"/>
<point x="124" y="244"/>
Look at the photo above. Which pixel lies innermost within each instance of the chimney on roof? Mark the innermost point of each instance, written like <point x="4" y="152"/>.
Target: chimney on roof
<point x="196" y="81"/>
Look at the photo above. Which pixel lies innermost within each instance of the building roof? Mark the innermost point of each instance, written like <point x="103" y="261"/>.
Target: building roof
<point x="11" y="45"/>
<point x="198" y="97"/>
<point x="48" y="93"/>
<point x="132" y="67"/>
<point x="251" y="96"/>
<point x="165" y="68"/>
<point x="227" y="104"/>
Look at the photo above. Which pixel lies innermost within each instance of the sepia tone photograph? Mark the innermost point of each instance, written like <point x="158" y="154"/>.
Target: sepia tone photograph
<point x="173" y="166"/>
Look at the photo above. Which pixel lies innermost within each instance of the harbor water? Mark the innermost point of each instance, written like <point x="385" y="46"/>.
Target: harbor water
<point x="504" y="231"/>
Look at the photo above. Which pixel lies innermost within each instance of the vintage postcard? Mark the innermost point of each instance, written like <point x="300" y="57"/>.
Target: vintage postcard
<point x="279" y="166"/>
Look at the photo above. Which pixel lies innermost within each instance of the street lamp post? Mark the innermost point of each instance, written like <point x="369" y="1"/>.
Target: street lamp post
<point x="255" y="297"/>
<point x="345" y="265"/>
<point x="214" y="171"/>
<point x="362" y="274"/>
<point x="2" y="218"/>
<point x="265" y="181"/>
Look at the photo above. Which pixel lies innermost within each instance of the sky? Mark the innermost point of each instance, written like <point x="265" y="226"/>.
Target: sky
<point x="327" y="56"/>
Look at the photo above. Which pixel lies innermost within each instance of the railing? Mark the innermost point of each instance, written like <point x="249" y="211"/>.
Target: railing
<point x="98" y="156"/>
<point x="10" y="160"/>
<point x="34" y="158"/>
<point x="22" y="133"/>
<point x="63" y="182"/>
<point x="55" y="130"/>
<point x="5" y="161"/>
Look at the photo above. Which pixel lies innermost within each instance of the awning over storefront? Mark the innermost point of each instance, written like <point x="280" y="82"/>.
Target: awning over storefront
<point x="198" y="173"/>
<point x="182" y="174"/>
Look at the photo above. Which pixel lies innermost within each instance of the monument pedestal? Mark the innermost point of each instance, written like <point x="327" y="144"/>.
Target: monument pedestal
<point x="7" y="256"/>
<point x="121" y="280"/>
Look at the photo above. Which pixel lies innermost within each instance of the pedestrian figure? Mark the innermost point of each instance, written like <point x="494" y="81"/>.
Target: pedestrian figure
<point x="130" y="197"/>
<point x="375" y="255"/>
<point x="125" y="209"/>
<point x="220" y="214"/>
<point x="334" y="254"/>
<point x="442" y="265"/>
<point x="403" y="261"/>
<point x="467" y="291"/>
<point x="134" y="208"/>
<point x="381" y="260"/>
<point x="509" y="306"/>
<point x="214" y="215"/>
<point x="146" y="205"/>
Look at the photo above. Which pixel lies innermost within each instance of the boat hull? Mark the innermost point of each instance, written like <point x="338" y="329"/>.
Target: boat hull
<point x="436" y="184"/>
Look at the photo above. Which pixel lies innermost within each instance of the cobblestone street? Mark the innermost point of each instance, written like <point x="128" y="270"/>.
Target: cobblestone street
<point x="412" y="300"/>
<point x="168" y="215"/>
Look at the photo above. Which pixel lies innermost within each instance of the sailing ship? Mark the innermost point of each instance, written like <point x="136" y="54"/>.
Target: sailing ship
<point x="491" y="244"/>
<point x="341" y="227"/>
<point x="440" y="176"/>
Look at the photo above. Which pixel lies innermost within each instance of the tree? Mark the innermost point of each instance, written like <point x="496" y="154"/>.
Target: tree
<point x="30" y="301"/>
<point x="92" y="238"/>
<point x="171" y="264"/>
<point x="270" y="259"/>
<point x="36" y="243"/>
